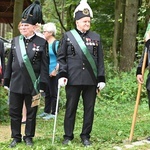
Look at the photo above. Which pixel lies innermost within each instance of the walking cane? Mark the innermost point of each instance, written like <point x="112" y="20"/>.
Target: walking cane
<point x="56" y="111"/>
<point x="138" y="97"/>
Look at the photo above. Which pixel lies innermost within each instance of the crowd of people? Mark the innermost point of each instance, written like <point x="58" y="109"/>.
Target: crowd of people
<point x="39" y="63"/>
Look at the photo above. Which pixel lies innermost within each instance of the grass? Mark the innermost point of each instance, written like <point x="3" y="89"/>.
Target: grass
<point x="111" y="128"/>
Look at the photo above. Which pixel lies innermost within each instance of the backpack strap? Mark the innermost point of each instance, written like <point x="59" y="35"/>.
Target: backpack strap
<point x="54" y="47"/>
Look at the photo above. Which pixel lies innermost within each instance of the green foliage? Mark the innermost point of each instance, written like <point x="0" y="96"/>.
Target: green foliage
<point x="120" y="89"/>
<point x="121" y="86"/>
<point x="142" y="25"/>
<point x="103" y="20"/>
<point x="3" y="104"/>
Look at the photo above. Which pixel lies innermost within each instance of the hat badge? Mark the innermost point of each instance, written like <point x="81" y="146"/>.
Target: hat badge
<point x="86" y="11"/>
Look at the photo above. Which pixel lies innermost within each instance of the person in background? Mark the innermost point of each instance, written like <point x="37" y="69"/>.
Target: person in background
<point x="2" y="61"/>
<point x="81" y="70"/>
<point x="26" y="74"/>
<point x="49" y="31"/>
<point x="139" y="74"/>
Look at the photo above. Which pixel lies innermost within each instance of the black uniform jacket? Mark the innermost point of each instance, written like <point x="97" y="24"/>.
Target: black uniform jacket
<point x="76" y="68"/>
<point x="147" y="65"/>
<point x="14" y="76"/>
<point x="146" y="49"/>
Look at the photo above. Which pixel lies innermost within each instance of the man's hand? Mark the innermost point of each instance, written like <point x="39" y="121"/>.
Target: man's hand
<point x="6" y="87"/>
<point x="140" y="79"/>
<point x="62" y="81"/>
<point x="101" y="85"/>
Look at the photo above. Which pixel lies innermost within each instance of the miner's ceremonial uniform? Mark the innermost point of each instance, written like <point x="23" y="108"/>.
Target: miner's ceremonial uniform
<point x="76" y="68"/>
<point x="81" y="69"/>
<point x="36" y="48"/>
<point x="73" y="63"/>
<point x="20" y="84"/>
<point x="26" y="74"/>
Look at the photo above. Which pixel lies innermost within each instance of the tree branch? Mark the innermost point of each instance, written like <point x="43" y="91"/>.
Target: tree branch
<point x="59" y="15"/>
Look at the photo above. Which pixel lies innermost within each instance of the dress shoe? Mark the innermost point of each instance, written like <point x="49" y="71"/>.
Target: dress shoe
<point x="86" y="142"/>
<point x="66" y="141"/>
<point x="28" y="141"/>
<point x="14" y="143"/>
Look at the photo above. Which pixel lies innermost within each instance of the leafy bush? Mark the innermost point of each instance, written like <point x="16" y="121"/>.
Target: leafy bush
<point x="121" y="86"/>
<point x="3" y="104"/>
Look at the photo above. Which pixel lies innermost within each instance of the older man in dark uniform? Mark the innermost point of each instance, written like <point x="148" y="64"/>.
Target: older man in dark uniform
<point x="80" y="58"/>
<point x="26" y="74"/>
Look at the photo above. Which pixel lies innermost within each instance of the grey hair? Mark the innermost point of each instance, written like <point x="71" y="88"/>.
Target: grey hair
<point x="50" y="27"/>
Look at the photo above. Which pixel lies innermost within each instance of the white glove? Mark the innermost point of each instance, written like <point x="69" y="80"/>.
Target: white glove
<point x="6" y="87"/>
<point x="62" y="81"/>
<point x="101" y="85"/>
<point x="41" y="91"/>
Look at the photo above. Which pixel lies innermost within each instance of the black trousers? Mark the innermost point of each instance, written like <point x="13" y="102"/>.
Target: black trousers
<point x="88" y="93"/>
<point x="15" y="111"/>
<point x="51" y="95"/>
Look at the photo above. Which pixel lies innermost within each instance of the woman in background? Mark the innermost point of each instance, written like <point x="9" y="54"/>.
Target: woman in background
<point x="49" y="31"/>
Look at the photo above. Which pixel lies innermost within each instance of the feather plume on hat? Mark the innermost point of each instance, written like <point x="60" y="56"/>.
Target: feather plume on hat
<point x="80" y="8"/>
<point x="33" y="13"/>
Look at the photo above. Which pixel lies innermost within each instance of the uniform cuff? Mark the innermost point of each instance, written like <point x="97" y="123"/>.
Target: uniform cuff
<point x="101" y="79"/>
<point x="138" y="71"/>
<point x="42" y="86"/>
<point x="62" y="74"/>
<point x="6" y="82"/>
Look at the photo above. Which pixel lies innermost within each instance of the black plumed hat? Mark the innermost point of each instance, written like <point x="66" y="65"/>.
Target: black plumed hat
<point x="32" y="14"/>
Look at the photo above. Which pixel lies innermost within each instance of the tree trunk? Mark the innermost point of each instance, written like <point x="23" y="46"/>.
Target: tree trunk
<point x="129" y="36"/>
<point x="18" y="8"/>
<point x="116" y="39"/>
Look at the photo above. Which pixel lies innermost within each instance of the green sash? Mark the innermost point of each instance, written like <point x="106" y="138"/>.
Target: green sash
<point x="28" y="64"/>
<point x="85" y="50"/>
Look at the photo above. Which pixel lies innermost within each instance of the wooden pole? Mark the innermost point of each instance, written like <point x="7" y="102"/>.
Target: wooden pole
<point x="138" y="97"/>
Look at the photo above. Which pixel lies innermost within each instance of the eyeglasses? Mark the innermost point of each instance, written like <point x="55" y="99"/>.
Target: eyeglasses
<point x="46" y="31"/>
